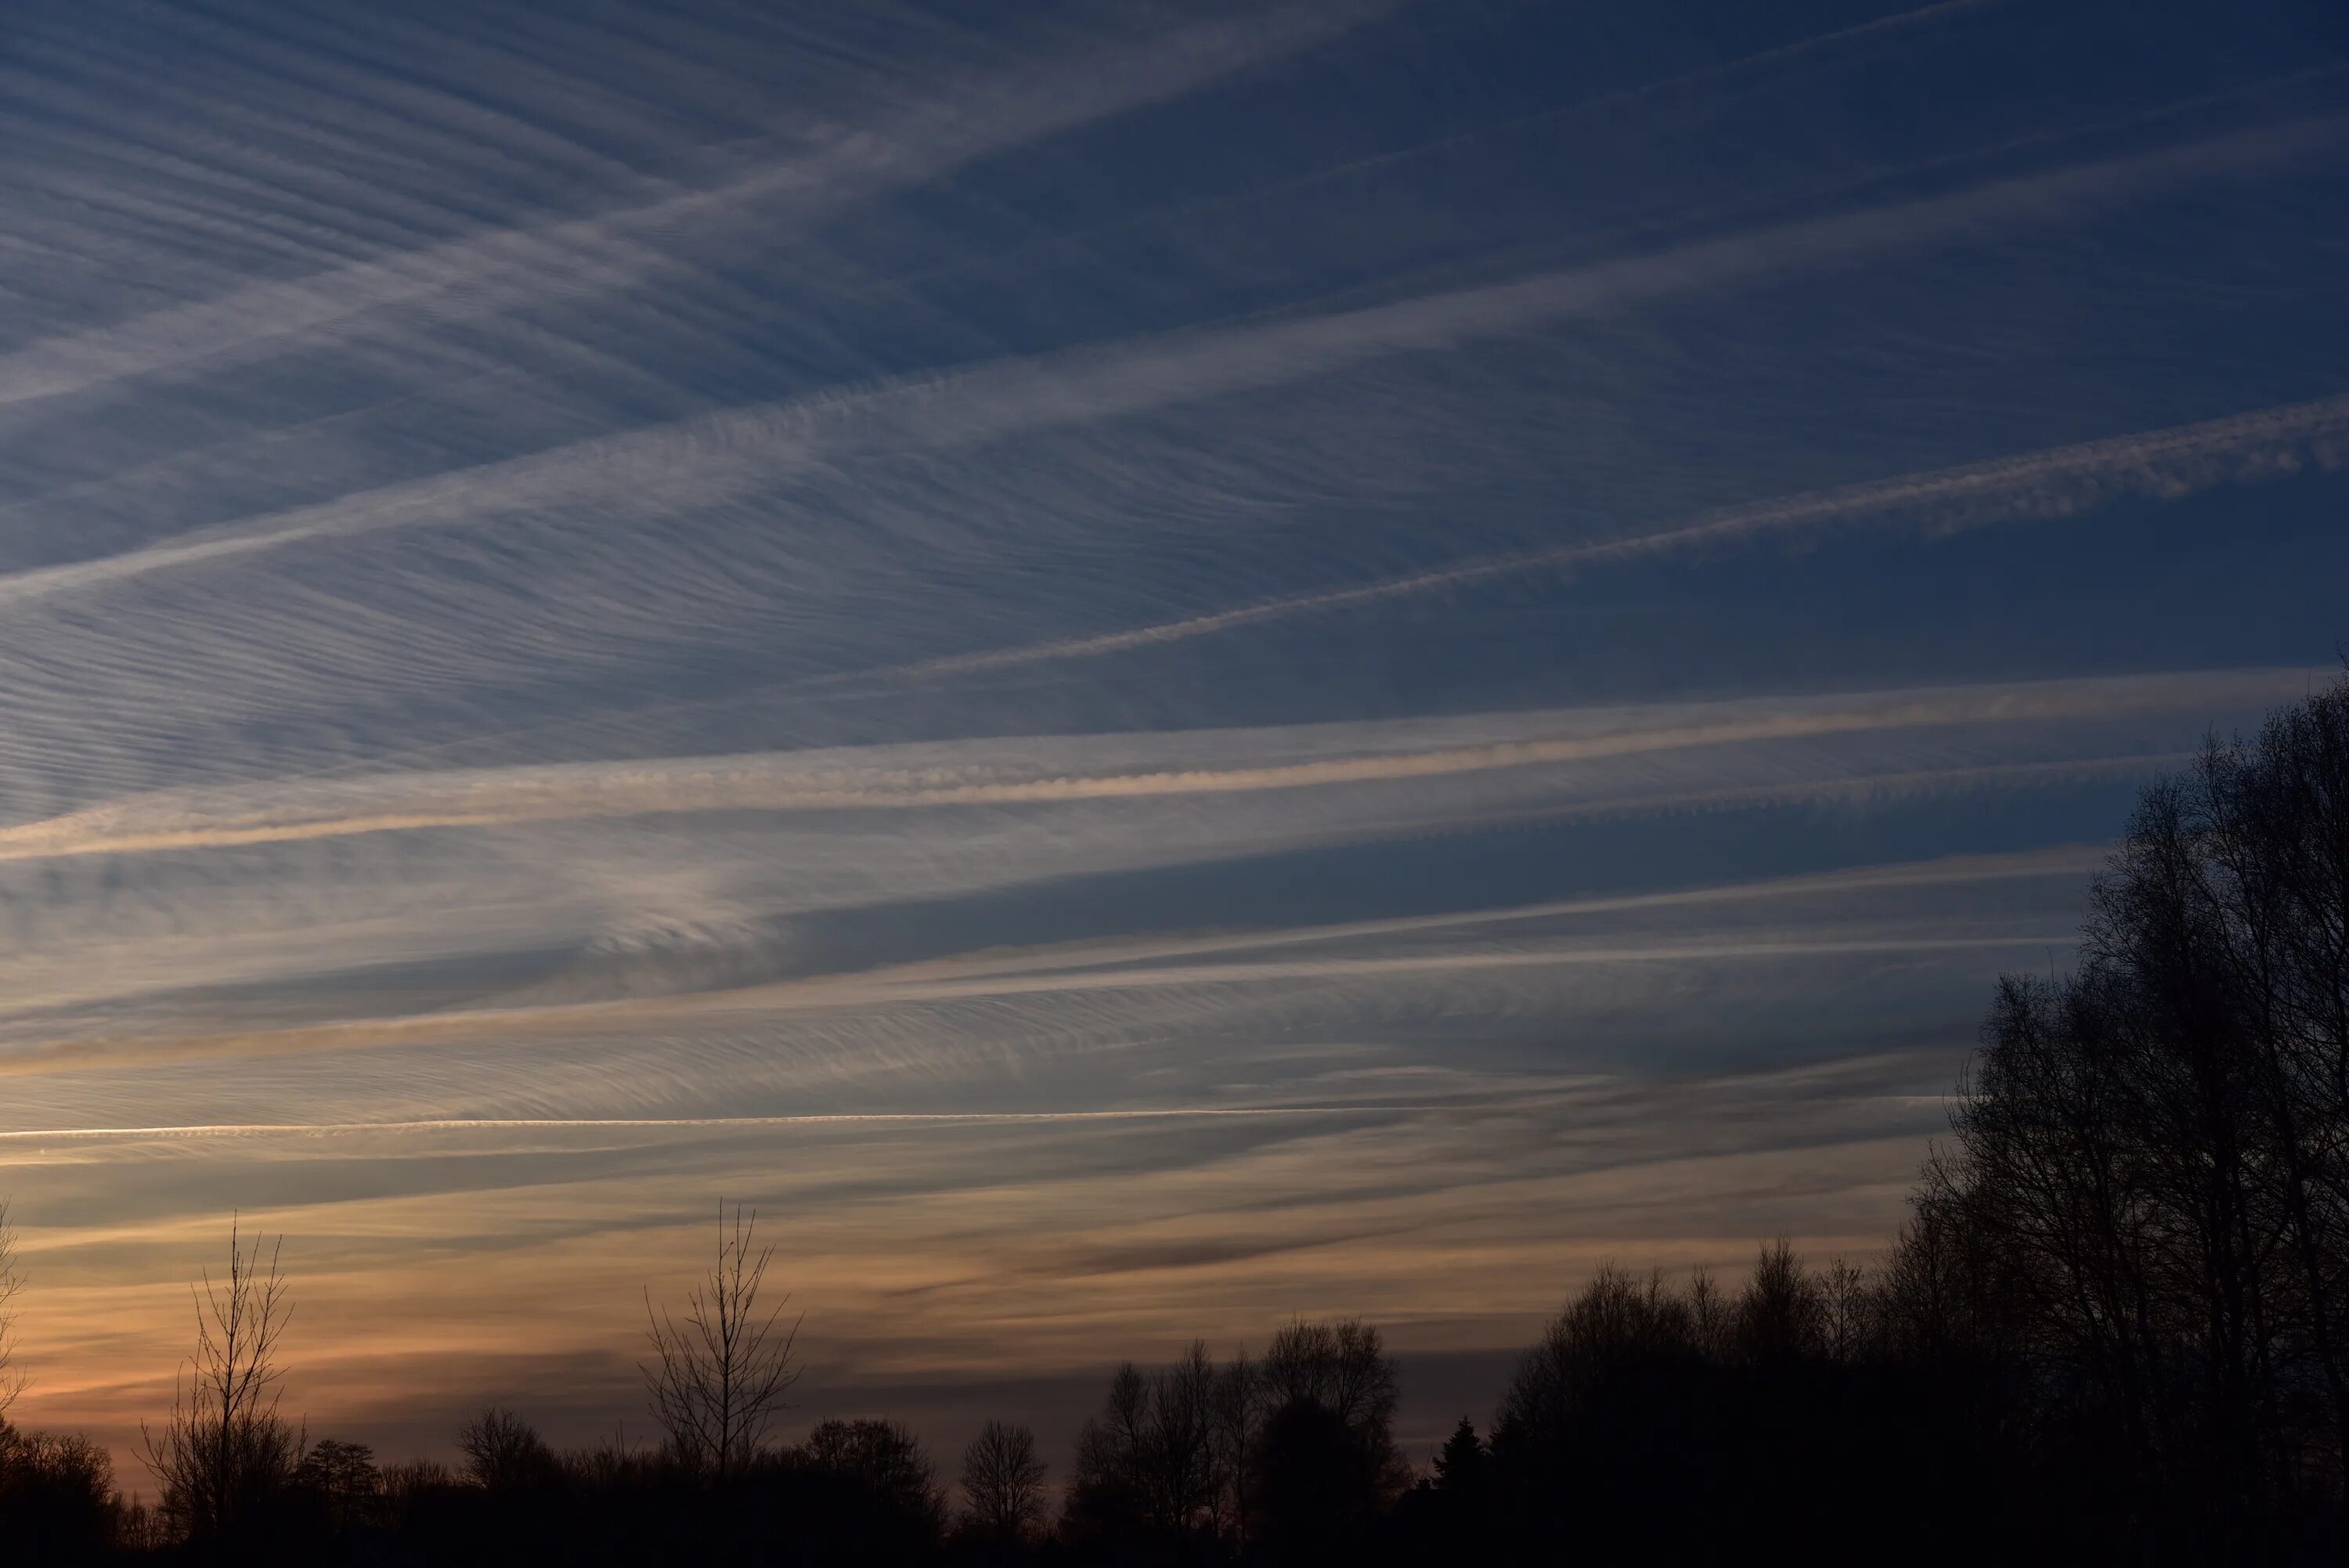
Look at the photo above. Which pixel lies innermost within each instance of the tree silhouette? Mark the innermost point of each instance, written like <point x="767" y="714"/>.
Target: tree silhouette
<point x="883" y="1490"/>
<point x="1343" y="1368"/>
<point x="1003" y="1484"/>
<point x="716" y="1380"/>
<point x="341" y="1480"/>
<point x="13" y="1380"/>
<point x="1783" y="1316"/>
<point x="225" y="1453"/>
<point x="339" y="1470"/>
<point x="884" y="1454"/>
<point x="57" y="1499"/>
<point x="1461" y="1463"/>
<point x="1315" y="1487"/>
<point x="1158" y="1460"/>
<point x="2157" y="1147"/>
<point x="503" y="1451"/>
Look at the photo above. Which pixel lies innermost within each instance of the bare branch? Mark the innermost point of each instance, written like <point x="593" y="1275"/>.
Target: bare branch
<point x="225" y="1449"/>
<point x="12" y="1379"/>
<point x="719" y="1371"/>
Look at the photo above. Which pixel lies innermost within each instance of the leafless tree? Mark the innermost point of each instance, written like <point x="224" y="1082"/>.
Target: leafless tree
<point x="503" y="1451"/>
<point x="408" y="1478"/>
<point x="885" y="1461"/>
<point x="1850" y="1302"/>
<point x="1343" y="1368"/>
<point x="1236" y="1415"/>
<point x="1616" y="1320"/>
<point x="1782" y="1314"/>
<point x="2157" y="1146"/>
<point x="1341" y="1365"/>
<point x="12" y="1379"/>
<point x="717" y="1375"/>
<point x="225" y="1450"/>
<point x="1709" y="1322"/>
<point x="1002" y="1483"/>
<point x="1156" y="1452"/>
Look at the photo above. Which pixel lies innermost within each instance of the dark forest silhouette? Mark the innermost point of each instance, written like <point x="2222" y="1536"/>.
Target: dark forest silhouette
<point x="2114" y="1328"/>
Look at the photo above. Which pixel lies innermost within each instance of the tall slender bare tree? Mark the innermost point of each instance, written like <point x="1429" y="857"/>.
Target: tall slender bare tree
<point x="718" y="1373"/>
<point x="12" y="1283"/>
<point x="225" y="1451"/>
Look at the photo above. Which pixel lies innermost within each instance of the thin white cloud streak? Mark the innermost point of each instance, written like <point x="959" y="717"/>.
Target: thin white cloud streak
<point x="789" y="783"/>
<point x="699" y="902"/>
<point x="1394" y="966"/>
<point x="1866" y="788"/>
<point x="1514" y="1105"/>
<point x="713" y="459"/>
<point x="1143" y="961"/>
<point x="851" y="1015"/>
<point x="1199" y="990"/>
<point x="2058" y="483"/>
<point x="732" y="1123"/>
<point x="957" y="124"/>
<point x="143" y="931"/>
<point x="2063" y="861"/>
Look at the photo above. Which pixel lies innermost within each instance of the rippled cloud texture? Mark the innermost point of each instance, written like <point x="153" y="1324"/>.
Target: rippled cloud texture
<point x="1142" y="667"/>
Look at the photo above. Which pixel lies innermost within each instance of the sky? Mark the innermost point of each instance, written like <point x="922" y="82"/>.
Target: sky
<point x="1143" y="668"/>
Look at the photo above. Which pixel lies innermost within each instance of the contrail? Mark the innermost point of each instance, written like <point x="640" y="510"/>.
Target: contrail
<point x="729" y="1123"/>
<point x="1085" y="968"/>
<point x="710" y="460"/>
<point x="2056" y="482"/>
<point x="624" y="244"/>
<point x="784" y="782"/>
<point x="317" y="1039"/>
<point x="2060" y="861"/>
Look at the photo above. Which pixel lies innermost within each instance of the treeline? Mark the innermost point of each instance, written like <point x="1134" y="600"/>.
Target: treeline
<point x="2114" y="1329"/>
<point x="1723" y="1409"/>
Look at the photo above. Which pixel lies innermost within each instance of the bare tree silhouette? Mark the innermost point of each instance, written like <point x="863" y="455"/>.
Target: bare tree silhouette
<point x="1784" y="1314"/>
<point x="225" y="1451"/>
<point x="1850" y="1308"/>
<point x="718" y="1377"/>
<point x="503" y="1451"/>
<point x="1002" y="1483"/>
<point x="881" y="1457"/>
<point x="1167" y="1456"/>
<point x="13" y="1380"/>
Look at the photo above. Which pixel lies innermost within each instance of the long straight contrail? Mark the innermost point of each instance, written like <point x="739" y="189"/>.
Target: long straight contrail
<point x="2056" y="482"/>
<point x="730" y="1123"/>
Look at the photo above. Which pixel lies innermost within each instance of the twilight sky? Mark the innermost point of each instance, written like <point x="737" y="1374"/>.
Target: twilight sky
<point x="1143" y="667"/>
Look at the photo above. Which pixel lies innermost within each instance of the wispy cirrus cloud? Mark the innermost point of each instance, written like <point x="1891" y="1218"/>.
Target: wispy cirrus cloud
<point x="708" y="462"/>
<point x="563" y="578"/>
<point x="943" y="126"/>
<point x="789" y="783"/>
<point x="2058" y="483"/>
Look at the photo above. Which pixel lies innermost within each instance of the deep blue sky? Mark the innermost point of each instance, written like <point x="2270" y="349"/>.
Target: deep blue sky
<point x="1301" y="657"/>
